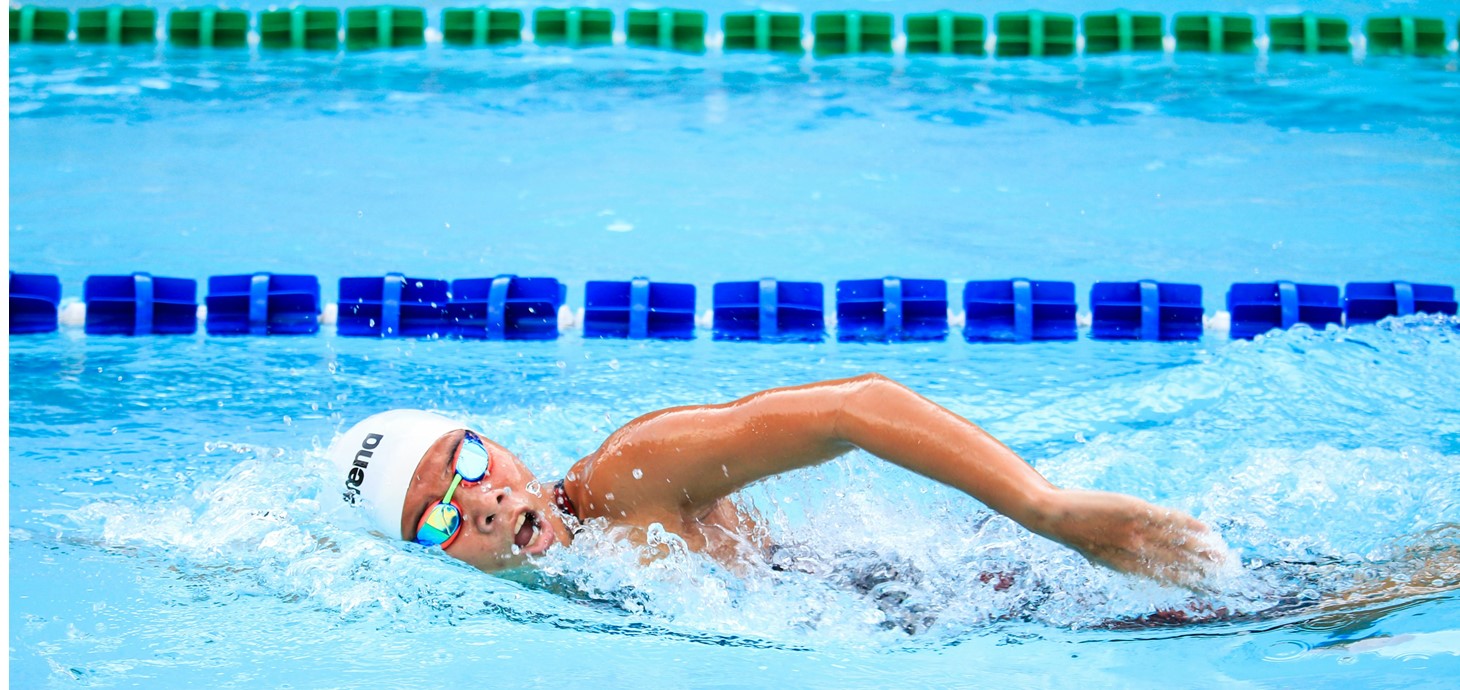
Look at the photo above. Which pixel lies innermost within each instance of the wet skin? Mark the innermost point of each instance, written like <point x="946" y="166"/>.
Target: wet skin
<point x="678" y="467"/>
<point x="490" y="510"/>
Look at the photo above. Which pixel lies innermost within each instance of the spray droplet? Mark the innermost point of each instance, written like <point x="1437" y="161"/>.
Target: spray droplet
<point x="638" y="473"/>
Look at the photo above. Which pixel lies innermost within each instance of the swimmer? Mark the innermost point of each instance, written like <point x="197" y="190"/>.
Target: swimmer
<point x="422" y="477"/>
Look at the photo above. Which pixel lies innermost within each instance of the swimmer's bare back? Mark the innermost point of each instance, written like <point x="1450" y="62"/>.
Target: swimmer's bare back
<point x="678" y="467"/>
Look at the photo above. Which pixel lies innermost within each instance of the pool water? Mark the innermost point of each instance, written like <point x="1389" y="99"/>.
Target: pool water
<point x="170" y="519"/>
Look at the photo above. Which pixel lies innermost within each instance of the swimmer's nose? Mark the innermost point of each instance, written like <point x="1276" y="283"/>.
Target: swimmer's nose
<point x="486" y="505"/>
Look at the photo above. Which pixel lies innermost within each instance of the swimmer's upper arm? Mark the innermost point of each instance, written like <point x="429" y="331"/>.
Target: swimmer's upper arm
<point x="678" y="462"/>
<point x="684" y="459"/>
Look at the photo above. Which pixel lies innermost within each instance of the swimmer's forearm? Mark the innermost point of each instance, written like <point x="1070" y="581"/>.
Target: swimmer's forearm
<point x="896" y="424"/>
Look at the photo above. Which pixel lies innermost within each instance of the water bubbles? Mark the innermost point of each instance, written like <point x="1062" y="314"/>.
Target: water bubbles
<point x="534" y="487"/>
<point x="638" y="473"/>
<point x="1286" y="650"/>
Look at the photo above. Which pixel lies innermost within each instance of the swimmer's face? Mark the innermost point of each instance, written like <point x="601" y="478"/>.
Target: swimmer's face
<point x="502" y="520"/>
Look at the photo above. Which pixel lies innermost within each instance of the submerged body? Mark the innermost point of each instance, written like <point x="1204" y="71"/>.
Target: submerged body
<point x="678" y="468"/>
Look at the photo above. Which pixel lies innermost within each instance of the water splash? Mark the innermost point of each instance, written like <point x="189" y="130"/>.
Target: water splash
<point x="871" y="556"/>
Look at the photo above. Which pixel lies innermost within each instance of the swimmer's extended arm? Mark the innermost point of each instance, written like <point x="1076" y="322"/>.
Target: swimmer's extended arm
<point x="683" y="460"/>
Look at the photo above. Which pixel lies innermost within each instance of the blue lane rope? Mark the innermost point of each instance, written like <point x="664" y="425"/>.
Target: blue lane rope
<point x="496" y="325"/>
<point x="768" y="298"/>
<point x="1150" y="310"/>
<point x="1023" y="310"/>
<point x="390" y="304"/>
<point x="258" y="305"/>
<point x="263" y="313"/>
<point x="891" y="307"/>
<point x="1288" y="298"/>
<point x="639" y="308"/>
<point x="1403" y="298"/>
<point x="142" y="317"/>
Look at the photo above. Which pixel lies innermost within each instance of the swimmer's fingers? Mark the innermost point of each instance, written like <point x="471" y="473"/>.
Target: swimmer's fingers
<point x="1132" y="536"/>
<point x="1189" y="557"/>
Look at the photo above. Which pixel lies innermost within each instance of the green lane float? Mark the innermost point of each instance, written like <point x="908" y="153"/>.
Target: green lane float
<point x="764" y="32"/>
<point x="480" y="27"/>
<point x="207" y="27"/>
<point x="945" y="33"/>
<point x="300" y="28"/>
<point x="118" y="26"/>
<point x="1034" y="34"/>
<point x="1308" y="33"/>
<point x="39" y="25"/>
<point x="1405" y="35"/>
<point x="851" y="33"/>
<point x="667" y="29"/>
<point x="575" y="27"/>
<point x="373" y="28"/>
<point x="1215" y="33"/>
<point x="1124" y="32"/>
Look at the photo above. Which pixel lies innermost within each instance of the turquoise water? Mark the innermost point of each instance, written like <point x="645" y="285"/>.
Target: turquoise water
<point x="170" y="521"/>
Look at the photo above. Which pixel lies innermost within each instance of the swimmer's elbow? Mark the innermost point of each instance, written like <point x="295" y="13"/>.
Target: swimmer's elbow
<point x="857" y="395"/>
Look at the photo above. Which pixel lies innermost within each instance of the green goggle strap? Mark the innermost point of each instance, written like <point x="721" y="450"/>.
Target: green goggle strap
<point x="455" y="482"/>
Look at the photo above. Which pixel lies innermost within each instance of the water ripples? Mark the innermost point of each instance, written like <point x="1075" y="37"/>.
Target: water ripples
<point x="1327" y="528"/>
<point x="1322" y="96"/>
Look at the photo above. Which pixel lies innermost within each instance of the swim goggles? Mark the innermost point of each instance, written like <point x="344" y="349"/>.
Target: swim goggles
<point x="442" y="522"/>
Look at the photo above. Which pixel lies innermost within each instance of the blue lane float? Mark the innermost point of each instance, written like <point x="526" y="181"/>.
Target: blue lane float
<point x="1018" y="310"/>
<point x="506" y="307"/>
<point x="769" y="310"/>
<point x="393" y="307"/>
<point x="1145" y="310"/>
<point x="1257" y="308"/>
<point x="891" y="309"/>
<point x="1370" y="302"/>
<point x="35" y="303"/>
<point x="141" y="304"/>
<point x="263" y="304"/>
<point x="638" y="309"/>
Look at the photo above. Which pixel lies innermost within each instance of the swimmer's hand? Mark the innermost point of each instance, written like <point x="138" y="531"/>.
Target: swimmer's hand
<point x="1132" y="536"/>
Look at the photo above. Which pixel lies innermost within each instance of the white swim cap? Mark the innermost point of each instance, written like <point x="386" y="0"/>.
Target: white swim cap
<point x="375" y="460"/>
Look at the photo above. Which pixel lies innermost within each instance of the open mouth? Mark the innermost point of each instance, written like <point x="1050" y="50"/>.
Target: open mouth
<point x="527" y="528"/>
